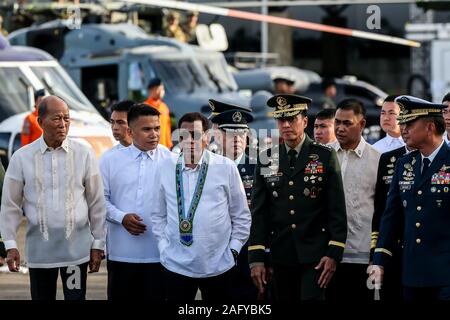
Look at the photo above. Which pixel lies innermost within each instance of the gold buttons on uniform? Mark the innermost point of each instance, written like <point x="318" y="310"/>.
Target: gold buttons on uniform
<point x="291" y="183"/>
<point x="419" y="192"/>
<point x="273" y="184"/>
<point x="291" y="197"/>
<point x="418" y="224"/>
<point x="419" y="208"/>
<point x="418" y="241"/>
<point x="293" y="226"/>
<point x="292" y="212"/>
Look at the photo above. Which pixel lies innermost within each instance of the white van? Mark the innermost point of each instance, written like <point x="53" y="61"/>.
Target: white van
<point x="24" y="70"/>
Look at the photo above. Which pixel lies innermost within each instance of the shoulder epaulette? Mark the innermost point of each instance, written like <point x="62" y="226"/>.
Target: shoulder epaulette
<point x="323" y="146"/>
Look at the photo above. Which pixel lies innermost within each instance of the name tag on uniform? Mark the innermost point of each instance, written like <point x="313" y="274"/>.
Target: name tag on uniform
<point x="387" y="179"/>
<point x="405" y="185"/>
<point x="273" y="178"/>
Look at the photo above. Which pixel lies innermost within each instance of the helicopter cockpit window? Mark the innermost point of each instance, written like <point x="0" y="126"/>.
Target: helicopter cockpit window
<point x="137" y="87"/>
<point x="13" y="92"/>
<point x="100" y="85"/>
<point x="59" y="85"/>
<point x="180" y="75"/>
<point x="218" y="74"/>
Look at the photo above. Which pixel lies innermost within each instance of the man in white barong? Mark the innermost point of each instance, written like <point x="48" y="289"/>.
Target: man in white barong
<point x="134" y="271"/>
<point x="55" y="182"/>
<point x="202" y="220"/>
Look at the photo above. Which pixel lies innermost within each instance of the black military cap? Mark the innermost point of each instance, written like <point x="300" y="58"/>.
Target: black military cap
<point x="328" y="82"/>
<point x="219" y="107"/>
<point x="233" y="119"/>
<point x="39" y="93"/>
<point x="154" y="83"/>
<point x="288" y="105"/>
<point x="412" y="108"/>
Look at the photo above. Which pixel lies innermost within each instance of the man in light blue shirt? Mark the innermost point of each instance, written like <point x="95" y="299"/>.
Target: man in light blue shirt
<point x="134" y="271"/>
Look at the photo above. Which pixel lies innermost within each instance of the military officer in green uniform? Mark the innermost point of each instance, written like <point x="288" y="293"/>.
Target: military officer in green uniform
<point x="298" y="208"/>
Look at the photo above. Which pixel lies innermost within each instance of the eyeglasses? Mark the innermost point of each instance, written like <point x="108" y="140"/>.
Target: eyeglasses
<point x="195" y="135"/>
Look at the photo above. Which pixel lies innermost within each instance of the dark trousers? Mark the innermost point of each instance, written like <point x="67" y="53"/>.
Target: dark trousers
<point x="43" y="282"/>
<point x="392" y="288"/>
<point x="2" y="248"/>
<point x="349" y="283"/>
<point x="135" y="281"/>
<point x="426" y="293"/>
<point x="296" y="283"/>
<point x="183" y="289"/>
<point x="242" y="287"/>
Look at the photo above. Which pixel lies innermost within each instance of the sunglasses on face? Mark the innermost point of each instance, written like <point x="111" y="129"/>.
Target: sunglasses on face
<point x="195" y="135"/>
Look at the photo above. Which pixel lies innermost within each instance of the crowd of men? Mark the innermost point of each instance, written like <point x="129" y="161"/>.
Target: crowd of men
<point x="324" y="219"/>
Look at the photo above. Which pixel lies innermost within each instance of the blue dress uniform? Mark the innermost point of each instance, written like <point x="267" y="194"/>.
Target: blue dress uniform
<point x="392" y="289"/>
<point x="243" y="288"/>
<point x="298" y="210"/>
<point x="420" y="200"/>
<point x="234" y="119"/>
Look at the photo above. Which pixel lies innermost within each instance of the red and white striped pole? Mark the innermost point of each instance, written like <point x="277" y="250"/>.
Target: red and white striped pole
<point x="181" y="5"/>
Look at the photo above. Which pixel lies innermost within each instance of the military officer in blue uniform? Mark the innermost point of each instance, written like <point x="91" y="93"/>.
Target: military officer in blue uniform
<point x="298" y="208"/>
<point x="419" y="200"/>
<point x="232" y="122"/>
<point x="392" y="288"/>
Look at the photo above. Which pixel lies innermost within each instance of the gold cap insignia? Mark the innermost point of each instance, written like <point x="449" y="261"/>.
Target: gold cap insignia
<point x="281" y="101"/>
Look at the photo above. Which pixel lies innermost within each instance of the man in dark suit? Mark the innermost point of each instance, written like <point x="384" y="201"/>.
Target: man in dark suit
<point x="419" y="201"/>
<point x="298" y="208"/>
<point x="232" y="124"/>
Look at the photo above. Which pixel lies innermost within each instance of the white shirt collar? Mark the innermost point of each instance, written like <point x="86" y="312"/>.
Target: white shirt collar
<point x="183" y="165"/>
<point x="238" y="159"/>
<point x="43" y="146"/>
<point x="407" y="150"/>
<point x="434" y="153"/>
<point x="137" y="152"/>
<point x="332" y="143"/>
<point x="391" y="139"/>
<point x="359" y="150"/>
<point x="446" y="138"/>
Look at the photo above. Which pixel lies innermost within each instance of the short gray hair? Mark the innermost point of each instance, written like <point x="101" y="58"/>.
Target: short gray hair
<point x="43" y="106"/>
